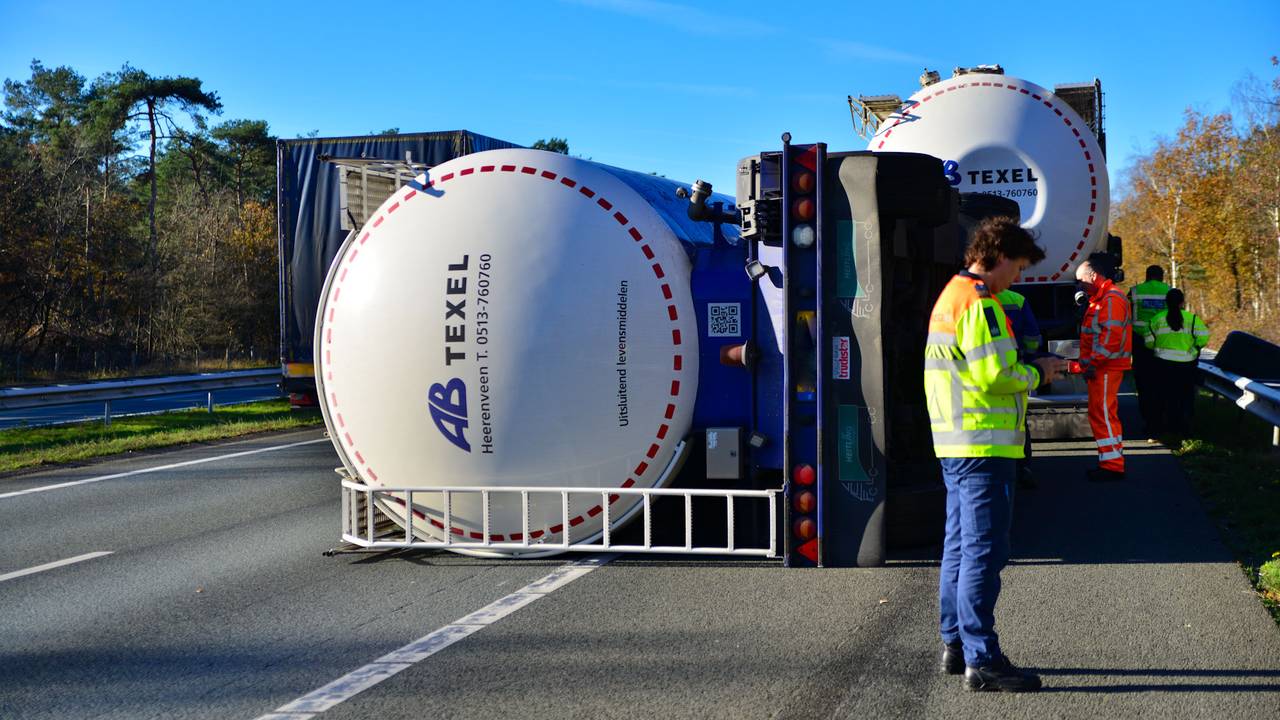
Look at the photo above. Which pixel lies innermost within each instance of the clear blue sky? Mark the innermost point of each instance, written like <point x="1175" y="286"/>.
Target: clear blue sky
<point x="680" y="89"/>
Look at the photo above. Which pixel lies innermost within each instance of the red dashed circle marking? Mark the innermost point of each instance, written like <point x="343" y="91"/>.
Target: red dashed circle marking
<point x="646" y="250"/>
<point x="1093" y="178"/>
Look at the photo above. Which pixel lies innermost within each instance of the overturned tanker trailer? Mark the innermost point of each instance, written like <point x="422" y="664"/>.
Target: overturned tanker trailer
<point x="1013" y="147"/>
<point x="520" y="352"/>
<point x="514" y="319"/>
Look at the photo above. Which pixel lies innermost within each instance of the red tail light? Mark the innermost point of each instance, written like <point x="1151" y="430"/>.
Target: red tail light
<point x="803" y="209"/>
<point x="804" y="474"/>
<point x="805" y="528"/>
<point x="803" y="182"/>
<point x="805" y="502"/>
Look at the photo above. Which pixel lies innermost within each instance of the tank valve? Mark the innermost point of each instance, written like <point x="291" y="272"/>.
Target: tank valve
<point x="700" y="211"/>
<point x="701" y="191"/>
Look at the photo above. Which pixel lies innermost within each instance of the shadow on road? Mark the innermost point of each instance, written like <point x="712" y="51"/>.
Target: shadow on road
<point x="1168" y="673"/>
<point x="1154" y="516"/>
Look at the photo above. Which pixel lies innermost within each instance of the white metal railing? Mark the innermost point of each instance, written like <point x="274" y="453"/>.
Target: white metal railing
<point x="360" y="526"/>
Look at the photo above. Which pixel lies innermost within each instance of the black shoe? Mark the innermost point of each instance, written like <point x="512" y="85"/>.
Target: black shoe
<point x="1000" y="675"/>
<point x="1101" y="475"/>
<point x="952" y="659"/>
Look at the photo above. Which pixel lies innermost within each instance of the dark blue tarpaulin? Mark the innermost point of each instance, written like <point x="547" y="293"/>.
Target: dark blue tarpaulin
<point x="310" y="229"/>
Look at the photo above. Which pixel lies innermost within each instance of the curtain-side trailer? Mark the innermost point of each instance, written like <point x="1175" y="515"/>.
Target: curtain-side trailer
<point x="324" y="189"/>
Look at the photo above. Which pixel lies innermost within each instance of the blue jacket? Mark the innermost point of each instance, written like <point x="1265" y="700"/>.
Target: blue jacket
<point x="1025" y="328"/>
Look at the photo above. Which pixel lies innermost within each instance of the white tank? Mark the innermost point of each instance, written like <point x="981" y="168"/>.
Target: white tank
<point x="519" y="318"/>
<point x="1004" y="136"/>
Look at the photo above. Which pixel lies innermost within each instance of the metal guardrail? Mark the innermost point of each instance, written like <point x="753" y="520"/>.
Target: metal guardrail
<point x="105" y="392"/>
<point x="1257" y="397"/>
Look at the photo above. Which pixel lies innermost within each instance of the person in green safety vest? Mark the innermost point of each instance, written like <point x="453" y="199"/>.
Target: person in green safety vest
<point x="1147" y="300"/>
<point x="1025" y="328"/>
<point x="1026" y="332"/>
<point x="1176" y="337"/>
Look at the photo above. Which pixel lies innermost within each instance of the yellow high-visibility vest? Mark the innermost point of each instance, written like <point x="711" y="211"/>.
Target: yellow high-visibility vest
<point x="975" y="388"/>
<point x="1177" y="345"/>
<point x="1147" y="301"/>
<point x="1028" y="335"/>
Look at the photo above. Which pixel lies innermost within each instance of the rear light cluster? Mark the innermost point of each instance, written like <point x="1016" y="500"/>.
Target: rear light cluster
<point x="802" y="194"/>
<point x="803" y="208"/>
<point x="804" y="503"/>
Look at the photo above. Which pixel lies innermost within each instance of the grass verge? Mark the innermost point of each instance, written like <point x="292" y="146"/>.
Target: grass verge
<point x="24" y="448"/>
<point x="1237" y="472"/>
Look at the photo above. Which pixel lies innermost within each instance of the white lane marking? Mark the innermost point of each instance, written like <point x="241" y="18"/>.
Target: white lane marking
<point x="158" y="469"/>
<point x="357" y="681"/>
<point x="54" y="564"/>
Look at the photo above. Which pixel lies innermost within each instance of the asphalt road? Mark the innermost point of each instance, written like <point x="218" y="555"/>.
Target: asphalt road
<point x="217" y="602"/>
<point x="94" y="411"/>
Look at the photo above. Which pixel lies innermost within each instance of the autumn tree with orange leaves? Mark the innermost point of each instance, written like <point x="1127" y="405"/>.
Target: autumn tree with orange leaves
<point x="1205" y="205"/>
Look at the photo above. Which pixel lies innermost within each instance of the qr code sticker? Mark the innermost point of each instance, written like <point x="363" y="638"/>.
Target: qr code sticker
<point x="724" y="319"/>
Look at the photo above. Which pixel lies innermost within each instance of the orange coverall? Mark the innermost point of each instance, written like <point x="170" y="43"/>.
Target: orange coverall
<point x="1106" y="351"/>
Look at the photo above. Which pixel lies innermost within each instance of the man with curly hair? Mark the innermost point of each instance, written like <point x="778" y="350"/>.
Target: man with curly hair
<point x="977" y="396"/>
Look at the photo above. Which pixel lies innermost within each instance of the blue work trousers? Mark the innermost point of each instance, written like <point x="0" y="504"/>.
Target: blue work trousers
<point x="976" y="548"/>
